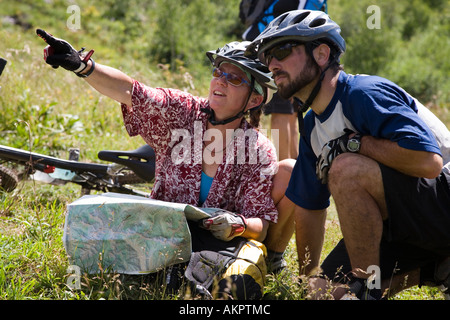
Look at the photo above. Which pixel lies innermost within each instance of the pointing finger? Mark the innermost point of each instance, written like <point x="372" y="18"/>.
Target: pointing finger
<point x="47" y="37"/>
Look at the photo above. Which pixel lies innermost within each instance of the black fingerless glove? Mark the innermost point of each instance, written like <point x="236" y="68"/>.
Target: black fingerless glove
<point x="59" y="53"/>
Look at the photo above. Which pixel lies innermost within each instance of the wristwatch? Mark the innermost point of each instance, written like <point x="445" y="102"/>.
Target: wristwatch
<point x="354" y="143"/>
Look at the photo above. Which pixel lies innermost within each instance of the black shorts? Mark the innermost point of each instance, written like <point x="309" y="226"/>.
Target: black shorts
<point x="418" y="209"/>
<point x="279" y="105"/>
<point x="417" y="230"/>
<point x="395" y="258"/>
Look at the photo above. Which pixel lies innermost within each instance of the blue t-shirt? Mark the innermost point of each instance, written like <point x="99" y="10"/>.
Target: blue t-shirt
<point x="369" y="105"/>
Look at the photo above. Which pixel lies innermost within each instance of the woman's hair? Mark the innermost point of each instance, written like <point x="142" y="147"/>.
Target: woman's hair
<point x="255" y="117"/>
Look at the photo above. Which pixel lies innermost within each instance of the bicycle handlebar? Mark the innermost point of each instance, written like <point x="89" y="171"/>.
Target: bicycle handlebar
<point x="24" y="157"/>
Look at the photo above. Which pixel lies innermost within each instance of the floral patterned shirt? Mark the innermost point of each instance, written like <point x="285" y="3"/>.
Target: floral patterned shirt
<point x="172" y="123"/>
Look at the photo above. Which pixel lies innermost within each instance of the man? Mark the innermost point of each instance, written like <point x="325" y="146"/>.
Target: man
<point x="256" y="15"/>
<point x="375" y="149"/>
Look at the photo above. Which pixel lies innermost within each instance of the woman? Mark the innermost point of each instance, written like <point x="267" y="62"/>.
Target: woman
<point x="199" y="141"/>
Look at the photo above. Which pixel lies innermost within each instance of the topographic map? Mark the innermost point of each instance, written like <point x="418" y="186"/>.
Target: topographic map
<point x="128" y="234"/>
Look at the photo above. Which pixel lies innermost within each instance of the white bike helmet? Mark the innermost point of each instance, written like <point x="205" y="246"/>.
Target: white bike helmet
<point x="299" y="25"/>
<point x="310" y="27"/>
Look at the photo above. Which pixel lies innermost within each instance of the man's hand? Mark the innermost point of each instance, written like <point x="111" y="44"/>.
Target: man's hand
<point x="329" y="152"/>
<point x="60" y="53"/>
<point x="226" y="225"/>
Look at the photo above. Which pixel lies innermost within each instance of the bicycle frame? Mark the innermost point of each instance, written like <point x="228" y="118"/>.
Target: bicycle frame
<point x="111" y="177"/>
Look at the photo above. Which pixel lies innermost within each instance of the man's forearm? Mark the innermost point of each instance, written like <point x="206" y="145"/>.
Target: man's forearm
<point x="410" y="162"/>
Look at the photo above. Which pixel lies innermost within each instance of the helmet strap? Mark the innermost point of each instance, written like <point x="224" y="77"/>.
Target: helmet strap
<point x="303" y="107"/>
<point x="212" y="117"/>
<point x="309" y="49"/>
<point x="314" y="92"/>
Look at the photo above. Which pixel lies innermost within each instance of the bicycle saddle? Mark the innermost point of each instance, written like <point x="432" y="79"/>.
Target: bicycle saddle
<point x="141" y="160"/>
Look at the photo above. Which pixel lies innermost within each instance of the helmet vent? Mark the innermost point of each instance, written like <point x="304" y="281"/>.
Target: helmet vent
<point x="280" y="19"/>
<point x="299" y="18"/>
<point x="317" y="23"/>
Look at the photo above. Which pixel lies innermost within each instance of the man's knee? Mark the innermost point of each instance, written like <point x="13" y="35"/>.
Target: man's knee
<point x="346" y="167"/>
<point x="356" y="173"/>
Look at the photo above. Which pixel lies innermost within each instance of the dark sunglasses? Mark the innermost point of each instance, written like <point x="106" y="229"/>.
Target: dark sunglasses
<point x="231" y="78"/>
<point x="280" y="52"/>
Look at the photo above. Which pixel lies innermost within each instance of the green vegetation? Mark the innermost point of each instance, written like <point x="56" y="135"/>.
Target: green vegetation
<point x="410" y="47"/>
<point x="162" y="43"/>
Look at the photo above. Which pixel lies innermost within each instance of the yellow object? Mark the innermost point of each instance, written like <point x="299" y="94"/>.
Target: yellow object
<point x="250" y="262"/>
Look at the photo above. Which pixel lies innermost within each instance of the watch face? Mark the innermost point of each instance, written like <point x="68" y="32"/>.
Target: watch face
<point x="353" y="145"/>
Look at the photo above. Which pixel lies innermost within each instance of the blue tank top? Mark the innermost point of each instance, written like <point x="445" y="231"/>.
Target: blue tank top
<point x="205" y="185"/>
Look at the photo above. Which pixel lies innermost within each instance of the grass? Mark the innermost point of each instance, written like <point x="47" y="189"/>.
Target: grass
<point x="49" y="111"/>
<point x="33" y="262"/>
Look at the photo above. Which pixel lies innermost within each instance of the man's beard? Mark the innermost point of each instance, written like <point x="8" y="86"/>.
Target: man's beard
<point x="307" y="75"/>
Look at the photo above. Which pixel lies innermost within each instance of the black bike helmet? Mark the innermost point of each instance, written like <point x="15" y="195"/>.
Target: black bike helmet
<point x="298" y="25"/>
<point x="233" y="52"/>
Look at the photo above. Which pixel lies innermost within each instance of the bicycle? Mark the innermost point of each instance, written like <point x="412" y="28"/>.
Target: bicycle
<point x="126" y="168"/>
